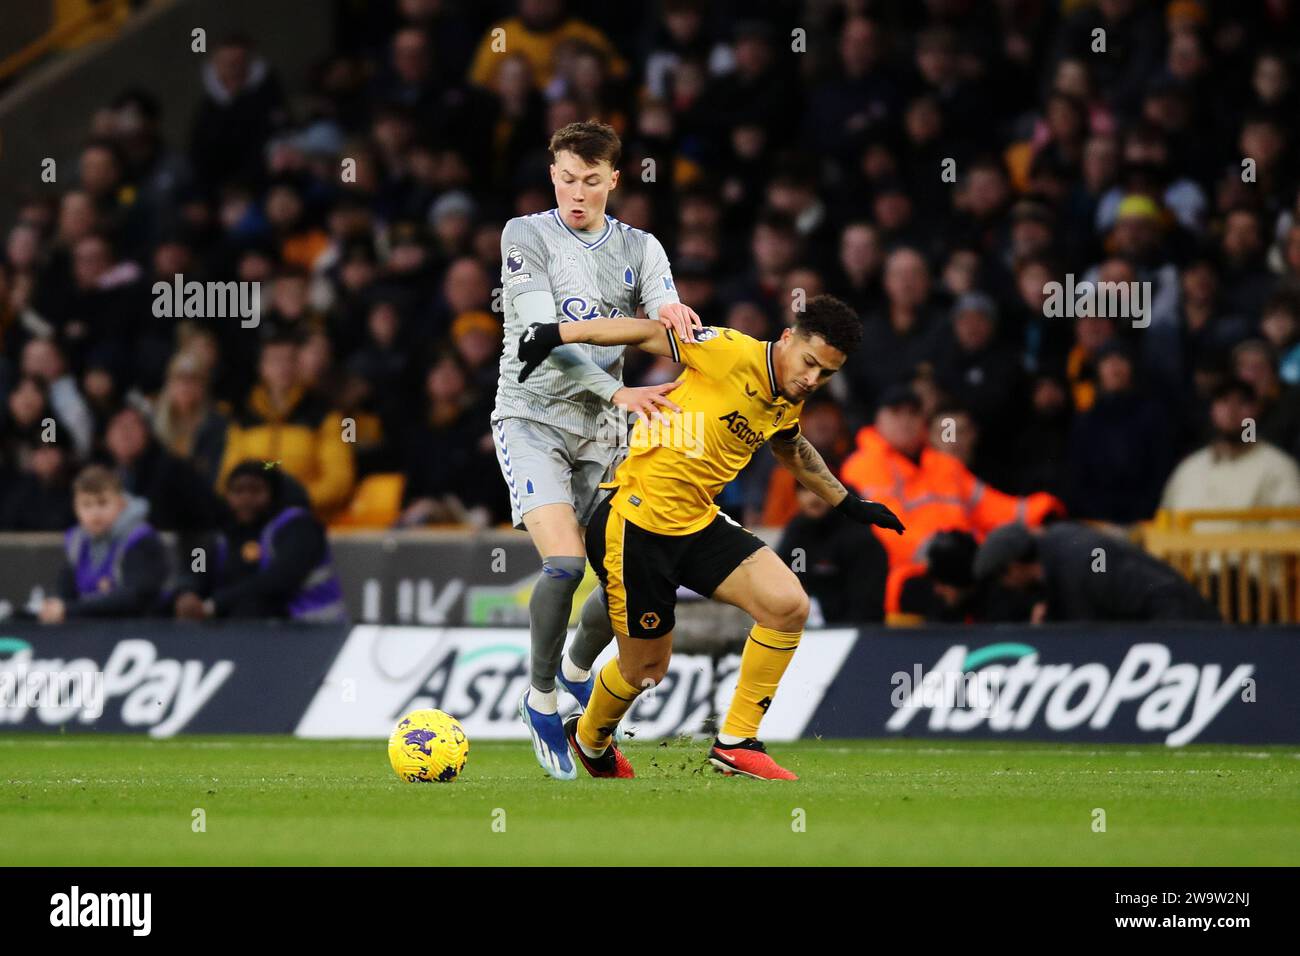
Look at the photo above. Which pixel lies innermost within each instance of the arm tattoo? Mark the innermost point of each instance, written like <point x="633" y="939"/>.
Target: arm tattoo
<point x="809" y="468"/>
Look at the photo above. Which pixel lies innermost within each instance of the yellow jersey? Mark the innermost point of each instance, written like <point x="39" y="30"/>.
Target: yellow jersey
<point x="730" y="406"/>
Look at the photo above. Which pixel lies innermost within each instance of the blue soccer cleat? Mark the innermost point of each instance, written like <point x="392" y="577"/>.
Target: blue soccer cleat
<point x="550" y="745"/>
<point x="581" y="690"/>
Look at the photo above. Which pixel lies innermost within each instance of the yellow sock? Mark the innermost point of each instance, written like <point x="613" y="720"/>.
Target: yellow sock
<point x="611" y="698"/>
<point x="766" y="656"/>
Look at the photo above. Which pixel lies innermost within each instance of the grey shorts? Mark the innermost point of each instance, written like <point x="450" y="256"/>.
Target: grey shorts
<point x="545" y="465"/>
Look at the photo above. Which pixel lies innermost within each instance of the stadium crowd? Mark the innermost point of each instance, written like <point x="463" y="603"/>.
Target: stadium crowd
<point x="778" y="150"/>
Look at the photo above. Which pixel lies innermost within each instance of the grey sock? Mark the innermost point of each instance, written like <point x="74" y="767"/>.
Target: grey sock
<point x="594" y="632"/>
<point x="548" y="615"/>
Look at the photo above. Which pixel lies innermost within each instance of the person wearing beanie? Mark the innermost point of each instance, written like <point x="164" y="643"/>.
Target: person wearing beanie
<point x="270" y="558"/>
<point x="1071" y="572"/>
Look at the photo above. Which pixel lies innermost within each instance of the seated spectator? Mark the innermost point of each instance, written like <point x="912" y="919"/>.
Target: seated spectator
<point x="26" y="422"/>
<point x="1091" y="333"/>
<point x="907" y="332"/>
<point x="116" y="561"/>
<point x="476" y="336"/>
<point x="929" y="490"/>
<point x="97" y="311"/>
<point x="371" y="446"/>
<point x="44" y="361"/>
<point x="187" y="423"/>
<point x="444" y="456"/>
<point x="300" y="242"/>
<point x="1071" y="572"/>
<point x="178" y="498"/>
<point x="280" y="422"/>
<point x="466" y="287"/>
<point x="1247" y="283"/>
<point x="1254" y="362"/>
<point x="861" y="260"/>
<point x="1203" y="332"/>
<point x="982" y="373"/>
<point x="269" y="558"/>
<point x="290" y="310"/>
<point x="537" y="31"/>
<point x="840" y="563"/>
<point x="38" y="497"/>
<point x="1038" y="456"/>
<point x="102" y="394"/>
<point x="1280" y="326"/>
<point x="13" y="334"/>
<point x="384" y="360"/>
<point x="1233" y="471"/>
<point x="243" y="104"/>
<point x="1121" y="449"/>
<point x="952" y="429"/>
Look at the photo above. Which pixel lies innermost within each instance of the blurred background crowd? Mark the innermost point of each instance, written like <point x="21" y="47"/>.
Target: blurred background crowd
<point x="778" y="150"/>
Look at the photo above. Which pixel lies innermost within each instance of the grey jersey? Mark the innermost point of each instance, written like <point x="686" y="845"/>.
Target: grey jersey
<point x="609" y="276"/>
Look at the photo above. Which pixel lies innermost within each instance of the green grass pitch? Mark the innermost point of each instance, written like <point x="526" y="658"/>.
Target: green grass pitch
<point x="114" y="800"/>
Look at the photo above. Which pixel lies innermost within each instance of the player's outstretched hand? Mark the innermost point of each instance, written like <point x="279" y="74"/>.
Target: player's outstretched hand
<point x="865" y="511"/>
<point x="535" y="344"/>
<point x="681" y="319"/>
<point x="646" y="401"/>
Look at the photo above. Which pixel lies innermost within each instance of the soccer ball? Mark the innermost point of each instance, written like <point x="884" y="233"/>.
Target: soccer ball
<point x="428" y="746"/>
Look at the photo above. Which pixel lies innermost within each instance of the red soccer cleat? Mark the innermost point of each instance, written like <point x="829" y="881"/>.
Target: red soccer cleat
<point x="747" y="759"/>
<point x="611" y="763"/>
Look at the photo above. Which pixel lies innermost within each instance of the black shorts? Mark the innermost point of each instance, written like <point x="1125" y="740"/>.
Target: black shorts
<point x="640" y="570"/>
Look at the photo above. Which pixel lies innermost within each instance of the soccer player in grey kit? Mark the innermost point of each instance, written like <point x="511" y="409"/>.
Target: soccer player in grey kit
<point x="560" y="434"/>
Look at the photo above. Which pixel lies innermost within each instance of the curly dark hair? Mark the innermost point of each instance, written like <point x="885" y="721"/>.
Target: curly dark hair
<point x="833" y="320"/>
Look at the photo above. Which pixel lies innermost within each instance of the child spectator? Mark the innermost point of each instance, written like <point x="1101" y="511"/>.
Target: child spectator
<point x="116" y="561"/>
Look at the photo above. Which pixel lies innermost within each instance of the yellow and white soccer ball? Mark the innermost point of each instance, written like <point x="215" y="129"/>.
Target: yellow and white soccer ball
<point x="428" y="746"/>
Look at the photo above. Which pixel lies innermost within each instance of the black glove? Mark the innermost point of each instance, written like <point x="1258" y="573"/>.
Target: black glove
<point x="869" y="512"/>
<point x="535" y="344"/>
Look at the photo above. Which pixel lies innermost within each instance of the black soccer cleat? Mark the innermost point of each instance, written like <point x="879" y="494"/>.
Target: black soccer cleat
<point x="611" y="763"/>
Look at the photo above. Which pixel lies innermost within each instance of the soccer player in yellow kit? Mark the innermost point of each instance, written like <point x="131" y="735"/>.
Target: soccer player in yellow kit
<point x="659" y="527"/>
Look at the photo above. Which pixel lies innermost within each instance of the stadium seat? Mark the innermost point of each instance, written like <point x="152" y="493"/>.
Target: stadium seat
<point x="377" y="502"/>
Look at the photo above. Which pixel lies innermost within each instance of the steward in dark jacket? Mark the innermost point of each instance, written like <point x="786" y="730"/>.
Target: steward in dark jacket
<point x="1074" y="573"/>
<point x="270" y="558"/>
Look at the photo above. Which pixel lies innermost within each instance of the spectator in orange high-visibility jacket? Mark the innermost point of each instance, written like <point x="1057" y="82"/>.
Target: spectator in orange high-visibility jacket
<point x="929" y="490"/>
